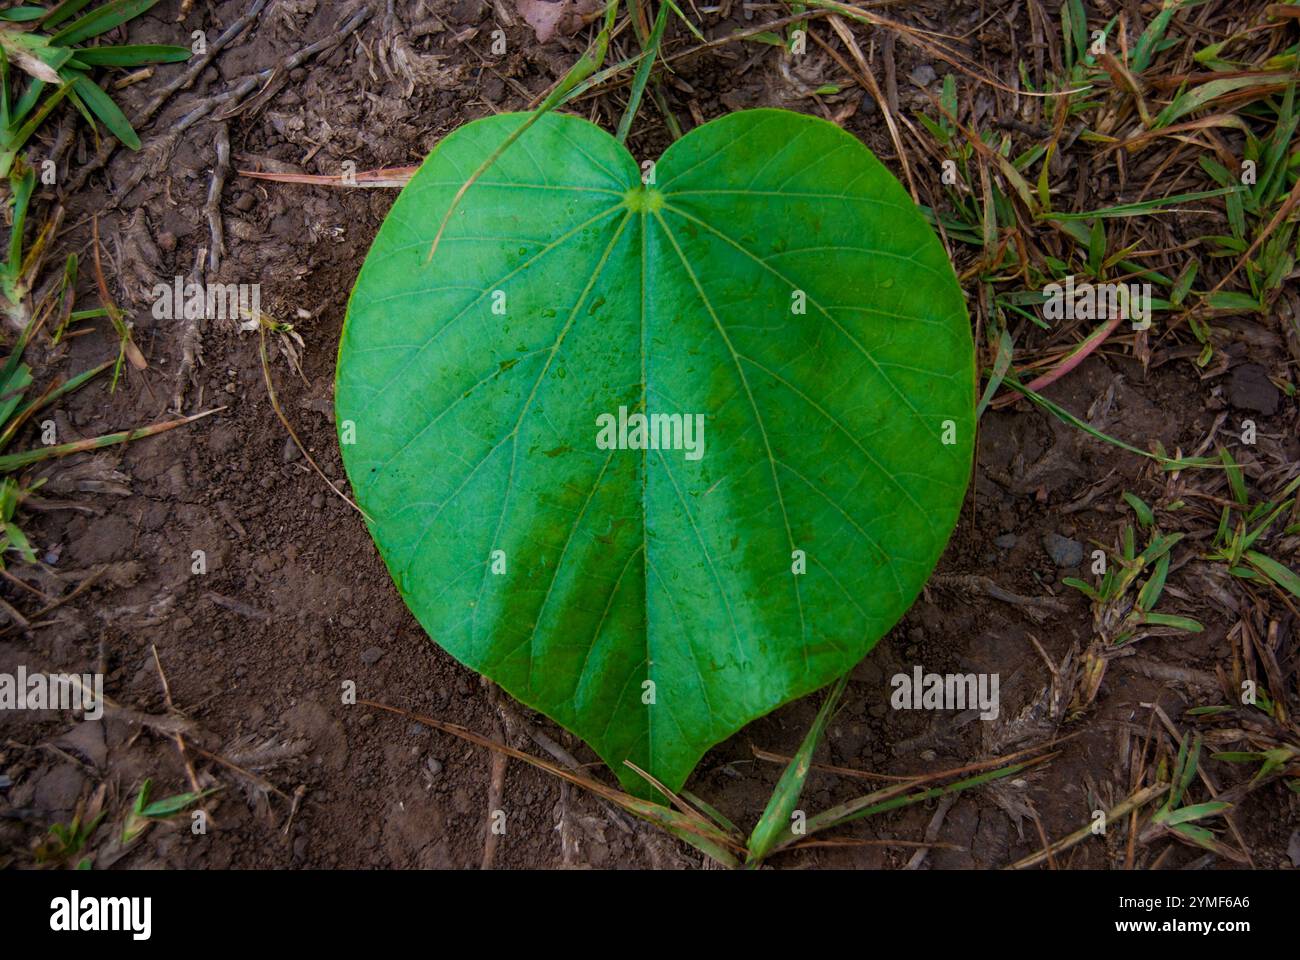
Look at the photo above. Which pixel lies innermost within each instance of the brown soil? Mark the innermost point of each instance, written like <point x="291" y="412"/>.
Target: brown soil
<point x="296" y="601"/>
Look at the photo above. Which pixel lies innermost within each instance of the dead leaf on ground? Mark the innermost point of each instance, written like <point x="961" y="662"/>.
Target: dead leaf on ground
<point x="563" y="17"/>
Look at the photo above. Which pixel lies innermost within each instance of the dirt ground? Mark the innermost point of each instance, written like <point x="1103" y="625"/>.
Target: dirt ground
<point x="295" y="600"/>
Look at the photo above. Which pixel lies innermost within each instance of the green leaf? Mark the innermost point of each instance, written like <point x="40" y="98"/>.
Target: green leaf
<point x="22" y="14"/>
<point x="172" y="805"/>
<point x="1236" y="481"/>
<point x="1234" y="301"/>
<point x="776" y="285"/>
<point x="1152" y="35"/>
<point x="1155" y="585"/>
<point x="102" y="105"/>
<point x="64" y="10"/>
<point x="100" y="20"/>
<point x="1194" y="99"/>
<point x="19" y="542"/>
<point x="1195" y="812"/>
<point x="131" y="55"/>
<point x="1282" y="575"/>
<point x="1169" y="620"/>
<point x="1145" y="517"/>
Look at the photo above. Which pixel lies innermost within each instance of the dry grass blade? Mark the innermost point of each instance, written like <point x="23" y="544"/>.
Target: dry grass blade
<point x="128" y="347"/>
<point x="13" y="461"/>
<point x="380" y="177"/>
<point x="867" y="77"/>
<point x="1131" y="804"/>
<point x="262" y="323"/>
<point x="692" y="824"/>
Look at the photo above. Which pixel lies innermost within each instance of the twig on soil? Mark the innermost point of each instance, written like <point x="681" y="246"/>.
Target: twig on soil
<point x="220" y="169"/>
<point x="505" y="732"/>
<point x="931" y="834"/>
<point x="192" y="73"/>
<point x="191" y="343"/>
<point x="496" y="788"/>
<point x="176" y="737"/>
<point x="509" y="714"/>
<point x="236" y="606"/>
<point x="1036" y="608"/>
<point x="19" y="621"/>
<point x="1042" y="836"/>
<point x="260" y="781"/>
<point x="163" y="145"/>
<point x="299" y="792"/>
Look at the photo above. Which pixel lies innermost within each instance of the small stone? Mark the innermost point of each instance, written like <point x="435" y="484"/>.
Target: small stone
<point x="434" y="766"/>
<point x="290" y="452"/>
<point x="1064" y="552"/>
<point x="1006" y="542"/>
<point x="923" y="75"/>
<point x="245" y="202"/>
<point x="371" y="656"/>
<point x="1249" y="388"/>
<point x="928" y="755"/>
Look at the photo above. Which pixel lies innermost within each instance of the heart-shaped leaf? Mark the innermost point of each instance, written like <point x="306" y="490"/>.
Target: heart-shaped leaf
<point x="777" y="293"/>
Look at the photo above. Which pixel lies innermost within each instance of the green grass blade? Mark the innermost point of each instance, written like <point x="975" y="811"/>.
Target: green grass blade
<point x="100" y="20"/>
<point x="1152" y="35"/>
<point x="102" y="105"/>
<point x="1067" y="417"/>
<point x="131" y="55"/>
<point x="22" y="14"/>
<point x="1001" y="363"/>
<point x="775" y="822"/>
<point x="650" y="50"/>
<point x="18" y="541"/>
<point x="1142" y="208"/>
<point x="61" y="12"/>
<point x="1282" y="576"/>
